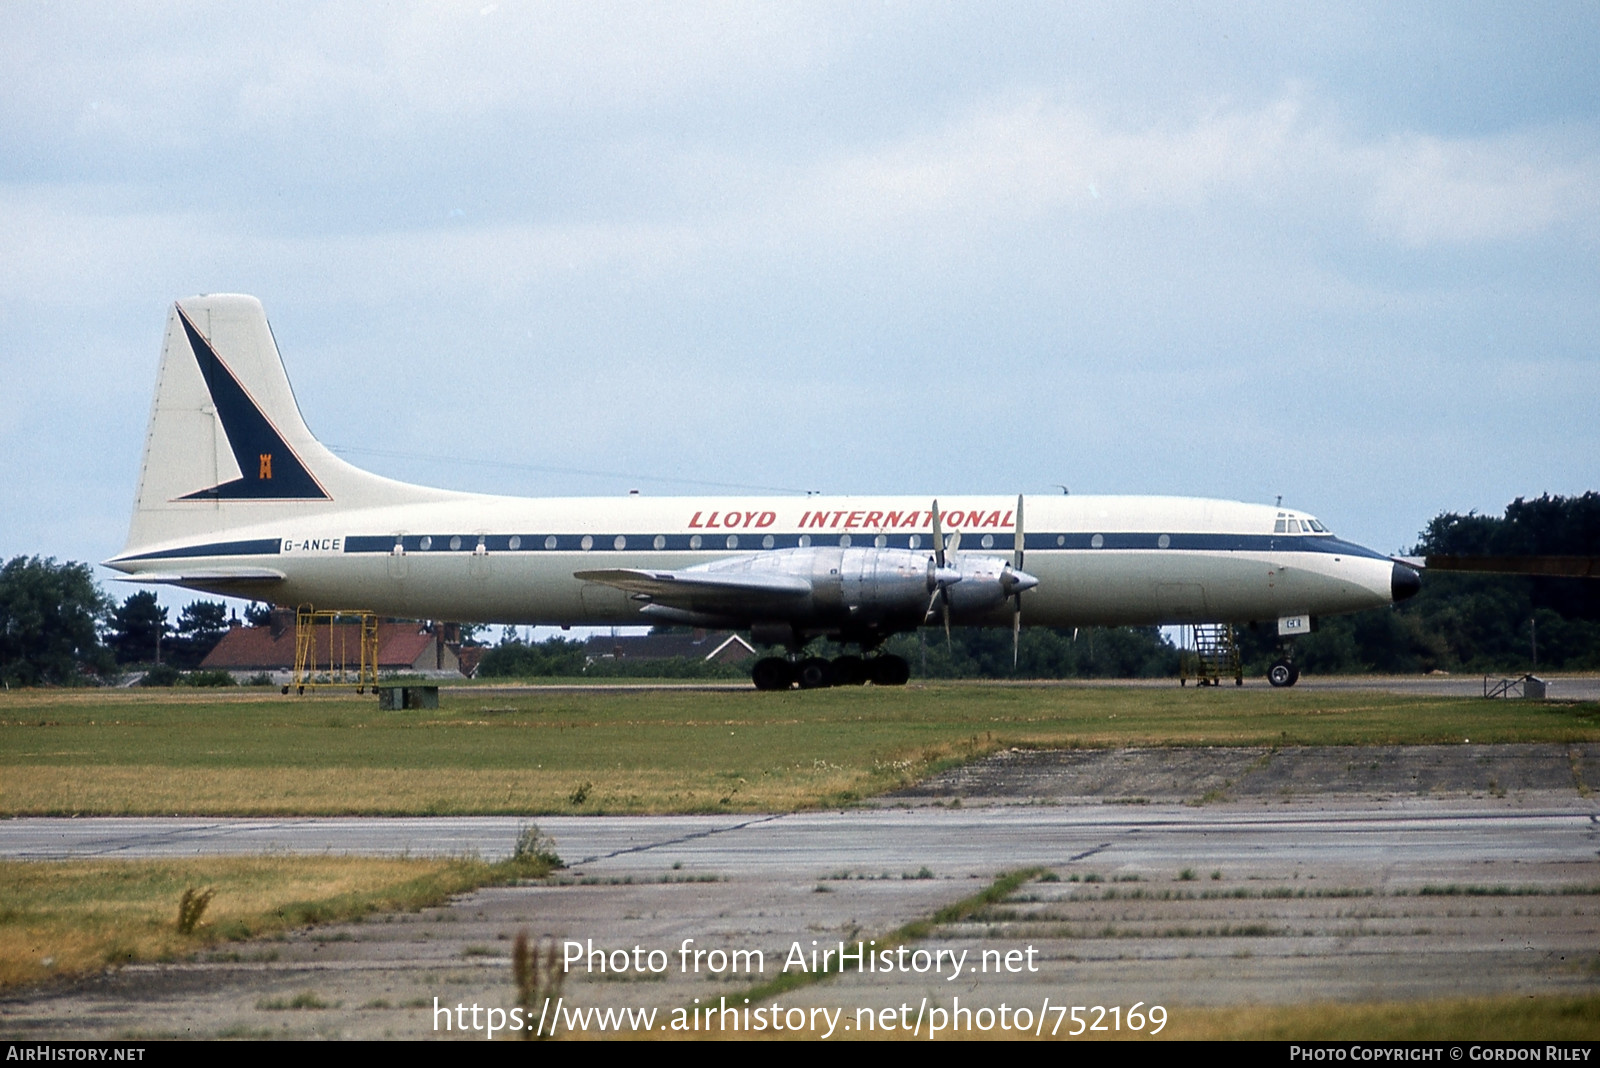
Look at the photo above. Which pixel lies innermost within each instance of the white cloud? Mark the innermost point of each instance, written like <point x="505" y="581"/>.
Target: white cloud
<point x="1427" y="190"/>
<point x="1022" y="160"/>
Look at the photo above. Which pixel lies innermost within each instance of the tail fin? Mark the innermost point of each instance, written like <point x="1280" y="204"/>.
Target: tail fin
<point x="227" y="446"/>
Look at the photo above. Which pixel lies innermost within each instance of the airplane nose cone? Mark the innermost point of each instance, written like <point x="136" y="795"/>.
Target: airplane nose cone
<point x="1404" y="582"/>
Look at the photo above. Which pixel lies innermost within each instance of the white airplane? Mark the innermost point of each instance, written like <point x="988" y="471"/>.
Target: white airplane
<point x="236" y="497"/>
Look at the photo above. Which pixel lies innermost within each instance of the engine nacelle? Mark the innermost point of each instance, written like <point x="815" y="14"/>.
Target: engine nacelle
<point x="890" y="588"/>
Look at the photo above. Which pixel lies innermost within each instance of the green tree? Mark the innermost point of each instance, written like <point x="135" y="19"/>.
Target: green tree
<point x="137" y="628"/>
<point x="1042" y="653"/>
<point x="1488" y="622"/>
<point x="201" y="626"/>
<point x="518" y="659"/>
<point x="50" y="617"/>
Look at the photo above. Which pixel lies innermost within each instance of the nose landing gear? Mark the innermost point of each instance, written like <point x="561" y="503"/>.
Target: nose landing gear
<point x="1283" y="671"/>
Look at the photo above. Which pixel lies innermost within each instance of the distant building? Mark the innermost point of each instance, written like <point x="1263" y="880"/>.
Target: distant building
<point x="405" y="648"/>
<point x="722" y="647"/>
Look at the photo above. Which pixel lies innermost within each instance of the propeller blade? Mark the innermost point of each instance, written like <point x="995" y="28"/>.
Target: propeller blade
<point x="1016" y="613"/>
<point x="1016" y="553"/>
<point x="1016" y="632"/>
<point x="938" y="537"/>
<point x="940" y="597"/>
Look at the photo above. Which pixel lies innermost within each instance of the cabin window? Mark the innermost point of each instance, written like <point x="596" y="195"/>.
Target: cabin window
<point x="805" y="541"/>
<point x="988" y="541"/>
<point x="1164" y="542"/>
<point x="1097" y="542"/>
<point x="587" y="543"/>
<point x="455" y="542"/>
<point x="425" y="544"/>
<point x="881" y="540"/>
<point x="844" y="541"/>
<point x="660" y="542"/>
<point x="620" y="543"/>
<point x="695" y="542"/>
<point x="515" y="543"/>
<point x="550" y="542"/>
<point x="914" y="541"/>
<point x="768" y="542"/>
<point x="733" y="541"/>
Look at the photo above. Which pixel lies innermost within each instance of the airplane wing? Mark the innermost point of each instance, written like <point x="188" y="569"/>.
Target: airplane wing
<point x="707" y="592"/>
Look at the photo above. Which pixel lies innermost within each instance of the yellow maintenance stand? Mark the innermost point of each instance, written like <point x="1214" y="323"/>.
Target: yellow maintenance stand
<point x="345" y="649"/>
<point x="1211" y="656"/>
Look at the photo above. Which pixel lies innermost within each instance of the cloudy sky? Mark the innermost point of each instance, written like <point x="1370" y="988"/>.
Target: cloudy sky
<point x="1342" y="253"/>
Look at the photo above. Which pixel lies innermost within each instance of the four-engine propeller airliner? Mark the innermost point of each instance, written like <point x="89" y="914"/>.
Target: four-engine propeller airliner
<point x="236" y="497"/>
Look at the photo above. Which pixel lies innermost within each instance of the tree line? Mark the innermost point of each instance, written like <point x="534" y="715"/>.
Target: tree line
<point x="58" y="628"/>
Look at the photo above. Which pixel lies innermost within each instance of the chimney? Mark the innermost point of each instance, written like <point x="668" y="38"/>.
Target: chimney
<point x="280" y="620"/>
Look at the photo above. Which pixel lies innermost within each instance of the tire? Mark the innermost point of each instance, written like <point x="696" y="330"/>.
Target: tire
<point x="1282" y="673"/>
<point x="889" y="671"/>
<point x="814" y="673"/>
<point x="849" y="671"/>
<point x="772" y="673"/>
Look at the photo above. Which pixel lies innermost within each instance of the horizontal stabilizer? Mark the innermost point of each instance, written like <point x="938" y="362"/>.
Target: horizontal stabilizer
<point x="210" y="576"/>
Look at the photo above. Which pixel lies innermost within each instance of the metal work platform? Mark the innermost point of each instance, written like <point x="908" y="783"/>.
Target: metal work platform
<point x="1210" y="655"/>
<point x="334" y="647"/>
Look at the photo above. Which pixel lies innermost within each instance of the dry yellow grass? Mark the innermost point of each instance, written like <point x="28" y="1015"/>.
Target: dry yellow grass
<point x="68" y="918"/>
<point x="1499" y="1019"/>
<point x="164" y="790"/>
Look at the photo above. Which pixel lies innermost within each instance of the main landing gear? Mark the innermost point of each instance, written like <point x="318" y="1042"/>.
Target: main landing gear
<point x="814" y="673"/>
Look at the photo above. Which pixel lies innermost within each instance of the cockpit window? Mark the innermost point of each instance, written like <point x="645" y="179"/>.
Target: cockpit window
<point x="1280" y="527"/>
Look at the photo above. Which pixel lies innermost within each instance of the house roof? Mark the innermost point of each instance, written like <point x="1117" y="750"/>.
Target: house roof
<point x="699" y="645"/>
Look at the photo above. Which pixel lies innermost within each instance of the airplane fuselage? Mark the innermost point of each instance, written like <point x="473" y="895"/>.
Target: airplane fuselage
<point x="1099" y="560"/>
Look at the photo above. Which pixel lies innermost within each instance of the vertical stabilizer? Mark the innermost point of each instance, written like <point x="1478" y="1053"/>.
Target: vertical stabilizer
<point x="227" y="446"/>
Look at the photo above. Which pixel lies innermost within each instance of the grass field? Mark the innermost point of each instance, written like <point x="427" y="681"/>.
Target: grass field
<point x="255" y="752"/>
